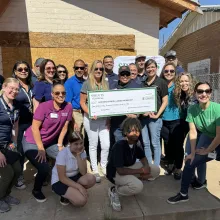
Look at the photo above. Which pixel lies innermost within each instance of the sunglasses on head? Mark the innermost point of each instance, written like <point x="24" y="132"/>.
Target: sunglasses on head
<point x="79" y="67"/>
<point x="125" y="74"/>
<point x="61" y="71"/>
<point x="201" y="91"/>
<point x="169" y="71"/>
<point x="101" y="69"/>
<point x="50" y="68"/>
<point x="58" y="93"/>
<point x="21" y="69"/>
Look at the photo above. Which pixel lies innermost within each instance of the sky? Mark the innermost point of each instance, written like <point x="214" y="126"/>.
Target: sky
<point x="166" y="32"/>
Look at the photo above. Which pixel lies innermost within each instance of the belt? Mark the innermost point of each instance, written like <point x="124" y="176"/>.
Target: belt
<point x="77" y="110"/>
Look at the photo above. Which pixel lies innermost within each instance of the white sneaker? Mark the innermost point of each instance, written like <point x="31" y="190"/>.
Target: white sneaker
<point x="97" y="177"/>
<point x="114" y="199"/>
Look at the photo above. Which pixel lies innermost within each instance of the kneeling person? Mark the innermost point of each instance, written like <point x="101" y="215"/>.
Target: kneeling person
<point x="122" y="169"/>
<point x="69" y="176"/>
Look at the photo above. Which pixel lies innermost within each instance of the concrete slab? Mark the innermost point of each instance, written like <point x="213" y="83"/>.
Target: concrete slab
<point x="153" y="203"/>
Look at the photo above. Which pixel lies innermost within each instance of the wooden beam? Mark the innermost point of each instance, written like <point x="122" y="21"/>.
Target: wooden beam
<point x="163" y="8"/>
<point x="186" y="4"/>
<point x="64" y="40"/>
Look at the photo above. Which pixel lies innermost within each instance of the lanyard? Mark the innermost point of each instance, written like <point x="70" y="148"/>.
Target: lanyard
<point x="12" y="120"/>
<point x="29" y="99"/>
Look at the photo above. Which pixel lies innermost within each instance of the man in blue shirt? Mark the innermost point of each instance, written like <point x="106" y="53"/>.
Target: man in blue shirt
<point x="140" y="62"/>
<point x="73" y="87"/>
<point x="36" y="70"/>
<point x="112" y="78"/>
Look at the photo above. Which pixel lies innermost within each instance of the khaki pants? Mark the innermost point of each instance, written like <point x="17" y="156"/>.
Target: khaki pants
<point x="8" y="177"/>
<point x="128" y="185"/>
<point x="78" y="118"/>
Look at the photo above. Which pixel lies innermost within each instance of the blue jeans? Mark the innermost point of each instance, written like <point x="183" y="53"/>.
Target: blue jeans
<point x="201" y="169"/>
<point x="189" y="170"/>
<point x="151" y="135"/>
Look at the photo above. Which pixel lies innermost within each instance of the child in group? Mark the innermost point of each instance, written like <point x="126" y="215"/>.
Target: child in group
<point x="70" y="179"/>
<point x="122" y="168"/>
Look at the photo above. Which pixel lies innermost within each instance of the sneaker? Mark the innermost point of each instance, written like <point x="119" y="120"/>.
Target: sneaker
<point x="4" y="207"/>
<point x="177" y="199"/>
<point x="20" y="184"/>
<point x="114" y="199"/>
<point x="169" y="169"/>
<point x="97" y="178"/>
<point x="64" y="201"/>
<point x="39" y="196"/>
<point x="177" y="176"/>
<point x="11" y="200"/>
<point x="196" y="185"/>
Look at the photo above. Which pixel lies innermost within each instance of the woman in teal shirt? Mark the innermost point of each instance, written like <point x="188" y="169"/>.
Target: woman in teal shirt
<point x="172" y="132"/>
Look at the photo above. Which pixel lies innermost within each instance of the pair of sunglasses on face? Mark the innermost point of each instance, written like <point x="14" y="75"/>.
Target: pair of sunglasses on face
<point x="58" y="93"/>
<point x="125" y="74"/>
<point x="169" y="71"/>
<point x="61" y="71"/>
<point x="22" y="69"/>
<point x="201" y="91"/>
<point x="78" y="67"/>
<point x="100" y="69"/>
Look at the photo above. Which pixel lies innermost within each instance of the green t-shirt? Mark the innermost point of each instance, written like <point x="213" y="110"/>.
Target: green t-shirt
<point x="206" y="120"/>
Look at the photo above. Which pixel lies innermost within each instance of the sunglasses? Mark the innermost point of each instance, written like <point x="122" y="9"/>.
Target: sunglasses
<point x="125" y="74"/>
<point x="79" y="67"/>
<point x="101" y="69"/>
<point x="22" y="69"/>
<point x="169" y="71"/>
<point x="50" y="68"/>
<point x="58" y="93"/>
<point x="201" y="91"/>
<point x="61" y="71"/>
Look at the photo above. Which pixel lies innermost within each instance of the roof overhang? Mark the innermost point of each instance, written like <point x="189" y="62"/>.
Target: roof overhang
<point x="172" y="9"/>
<point x="3" y="5"/>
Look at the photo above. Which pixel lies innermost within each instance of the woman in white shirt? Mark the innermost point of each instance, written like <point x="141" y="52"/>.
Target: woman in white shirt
<point x="70" y="179"/>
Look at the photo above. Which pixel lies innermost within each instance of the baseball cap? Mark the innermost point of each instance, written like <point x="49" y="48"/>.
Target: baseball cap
<point x="170" y="53"/>
<point x="124" y="69"/>
<point x="38" y="61"/>
<point x="139" y="56"/>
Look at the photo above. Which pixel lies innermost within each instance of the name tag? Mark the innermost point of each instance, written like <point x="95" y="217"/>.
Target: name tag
<point x="212" y="155"/>
<point x="53" y="115"/>
<point x="64" y="114"/>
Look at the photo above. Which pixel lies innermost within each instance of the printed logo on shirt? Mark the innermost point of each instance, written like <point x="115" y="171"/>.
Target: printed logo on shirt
<point x="64" y="113"/>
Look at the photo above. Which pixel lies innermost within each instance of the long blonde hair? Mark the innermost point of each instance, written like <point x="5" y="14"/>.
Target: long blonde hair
<point x="178" y="91"/>
<point x="92" y="80"/>
<point x="7" y="81"/>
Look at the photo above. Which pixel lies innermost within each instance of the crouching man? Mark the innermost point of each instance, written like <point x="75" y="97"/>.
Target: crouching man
<point x="123" y="170"/>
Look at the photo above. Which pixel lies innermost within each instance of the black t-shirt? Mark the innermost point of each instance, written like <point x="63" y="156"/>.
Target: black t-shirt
<point x="122" y="155"/>
<point x="162" y="89"/>
<point x="7" y="118"/>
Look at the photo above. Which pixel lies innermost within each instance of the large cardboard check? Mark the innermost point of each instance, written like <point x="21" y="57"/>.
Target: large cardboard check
<point x="122" y="102"/>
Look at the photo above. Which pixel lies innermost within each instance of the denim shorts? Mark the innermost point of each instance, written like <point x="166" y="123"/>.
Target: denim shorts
<point x="60" y="188"/>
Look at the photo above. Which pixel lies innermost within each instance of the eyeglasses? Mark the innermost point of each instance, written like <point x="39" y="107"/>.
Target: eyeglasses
<point x="125" y="74"/>
<point x="50" y="68"/>
<point x="58" y="93"/>
<point x="61" y="71"/>
<point x="201" y="91"/>
<point x="101" y="69"/>
<point x="22" y="69"/>
<point x="169" y="71"/>
<point x="79" y="67"/>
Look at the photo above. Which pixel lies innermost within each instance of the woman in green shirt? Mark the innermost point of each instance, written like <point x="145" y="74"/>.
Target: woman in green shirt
<point x="204" y="137"/>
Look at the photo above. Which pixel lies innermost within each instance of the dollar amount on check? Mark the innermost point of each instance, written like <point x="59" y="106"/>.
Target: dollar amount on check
<point x="122" y="102"/>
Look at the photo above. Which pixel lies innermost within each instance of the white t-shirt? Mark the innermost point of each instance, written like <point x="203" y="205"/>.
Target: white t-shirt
<point x="66" y="158"/>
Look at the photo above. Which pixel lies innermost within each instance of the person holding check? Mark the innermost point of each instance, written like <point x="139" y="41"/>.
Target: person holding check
<point x="204" y="137"/>
<point x="46" y="135"/>
<point x="123" y="170"/>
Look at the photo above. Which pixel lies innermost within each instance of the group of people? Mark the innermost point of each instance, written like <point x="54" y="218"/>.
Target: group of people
<point x="44" y="117"/>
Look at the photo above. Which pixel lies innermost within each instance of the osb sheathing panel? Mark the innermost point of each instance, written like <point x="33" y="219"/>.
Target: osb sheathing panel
<point x="65" y="56"/>
<point x="64" y="40"/>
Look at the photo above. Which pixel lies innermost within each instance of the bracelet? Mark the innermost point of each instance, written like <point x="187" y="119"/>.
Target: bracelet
<point x="59" y="145"/>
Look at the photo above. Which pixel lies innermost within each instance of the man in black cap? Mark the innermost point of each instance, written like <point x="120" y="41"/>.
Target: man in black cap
<point x="140" y="61"/>
<point x="170" y="57"/>
<point x="36" y="70"/>
<point x="124" y="82"/>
